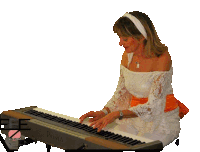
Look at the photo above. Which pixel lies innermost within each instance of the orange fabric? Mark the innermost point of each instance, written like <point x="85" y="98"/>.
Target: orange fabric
<point x="171" y="104"/>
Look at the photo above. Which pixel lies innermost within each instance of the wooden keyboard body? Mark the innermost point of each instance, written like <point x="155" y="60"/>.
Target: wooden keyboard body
<point x="66" y="137"/>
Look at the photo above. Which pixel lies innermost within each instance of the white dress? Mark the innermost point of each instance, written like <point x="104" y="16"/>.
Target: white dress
<point x="152" y="122"/>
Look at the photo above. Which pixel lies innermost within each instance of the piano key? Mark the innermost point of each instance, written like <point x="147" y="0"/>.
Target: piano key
<point x="121" y="139"/>
<point x="116" y="131"/>
<point x="44" y="116"/>
<point x="50" y="117"/>
<point x="117" y="137"/>
<point x="56" y="114"/>
<point x="127" y="140"/>
<point x="134" y="143"/>
<point x="108" y="135"/>
<point x="94" y="131"/>
<point x="86" y="129"/>
<point x="112" y="135"/>
<point x="71" y="124"/>
<point x="64" y="122"/>
<point x="100" y="133"/>
<point x="79" y="126"/>
<point x="56" y="119"/>
<point x="131" y="141"/>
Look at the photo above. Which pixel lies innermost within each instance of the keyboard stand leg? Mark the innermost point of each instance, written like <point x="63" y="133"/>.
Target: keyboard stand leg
<point x="82" y="147"/>
<point x="48" y="148"/>
<point x="12" y="145"/>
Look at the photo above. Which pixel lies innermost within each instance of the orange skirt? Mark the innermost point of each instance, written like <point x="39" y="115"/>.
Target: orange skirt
<point x="171" y="104"/>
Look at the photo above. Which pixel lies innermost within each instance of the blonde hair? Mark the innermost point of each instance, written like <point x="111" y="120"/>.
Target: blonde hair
<point x="125" y="27"/>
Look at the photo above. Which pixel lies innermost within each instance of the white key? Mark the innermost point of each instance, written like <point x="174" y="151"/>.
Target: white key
<point x="57" y="114"/>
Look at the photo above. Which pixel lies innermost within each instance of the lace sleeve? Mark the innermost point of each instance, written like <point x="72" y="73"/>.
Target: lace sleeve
<point x="121" y="98"/>
<point x="155" y="106"/>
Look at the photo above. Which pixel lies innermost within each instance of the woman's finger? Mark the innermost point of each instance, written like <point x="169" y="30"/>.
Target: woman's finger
<point x="97" y="126"/>
<point x="92" y="123"/>
<point x="96" y="123"/>
<point x="105" y="124"/>
<point x="101" y="127"/>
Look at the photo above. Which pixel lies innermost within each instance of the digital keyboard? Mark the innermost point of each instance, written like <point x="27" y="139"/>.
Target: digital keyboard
<point x="67" y="133"/>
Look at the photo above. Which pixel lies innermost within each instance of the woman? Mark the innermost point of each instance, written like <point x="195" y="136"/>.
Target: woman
<point x="144" y="100"/>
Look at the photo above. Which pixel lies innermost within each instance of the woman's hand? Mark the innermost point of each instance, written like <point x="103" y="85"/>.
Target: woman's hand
<point x="96" y="116"/>
<point x="101" y="123"/>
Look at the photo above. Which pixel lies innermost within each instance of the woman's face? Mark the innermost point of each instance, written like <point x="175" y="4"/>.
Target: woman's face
<point x="131" y="44"/>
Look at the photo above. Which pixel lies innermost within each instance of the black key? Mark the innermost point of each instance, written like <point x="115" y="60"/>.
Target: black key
<point x="111" y="135"/>
<point x="79" y="126"/>
<point x="87" y="129"/>
<point x="56" y="120"/>
<point x="70" y="124"/>
<point x="91" y="129"/>
<point x="127" y="140"/>
<point x="121" y="139"/>
<point x="131" y="141"/>
<point x="134" y="143"/>
<point x="106" y="133"/>
<point x="43" y="116"/>
<point x="76" y="124"/>
<point x="101" y="133"/>
<point x="47" y="114"/>
<point x="37" y="113"/>
<point x="114" y="136"/>
<point x="49" y="118"/>
<point x="34" y="113"/>
<point x="118" y="137"/>
<point x="65" y="122"/>
<point x="94" y="131"/>
<point x="62" y="119"/>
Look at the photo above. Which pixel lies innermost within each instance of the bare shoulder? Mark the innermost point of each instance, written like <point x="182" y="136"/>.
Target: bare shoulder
<point x="124" y="59"/>
<point x="164" y="62"/>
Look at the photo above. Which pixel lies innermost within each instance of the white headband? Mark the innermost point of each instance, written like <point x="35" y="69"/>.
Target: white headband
<point x="137" y="23"/>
